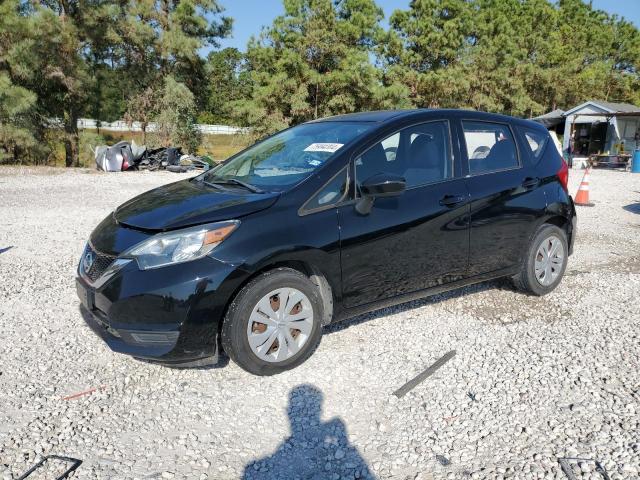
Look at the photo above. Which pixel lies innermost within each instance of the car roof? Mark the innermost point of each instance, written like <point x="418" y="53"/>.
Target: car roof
<point x="382" y="116"/>
<point x="373" y="116"/>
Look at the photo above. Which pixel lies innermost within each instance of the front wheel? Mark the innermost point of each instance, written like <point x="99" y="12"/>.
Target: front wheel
<point x="274" y="323"/>
<point x="545" y="261"/>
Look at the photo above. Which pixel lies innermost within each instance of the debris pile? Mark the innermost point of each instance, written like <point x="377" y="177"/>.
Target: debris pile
<point x="128" y="156"/>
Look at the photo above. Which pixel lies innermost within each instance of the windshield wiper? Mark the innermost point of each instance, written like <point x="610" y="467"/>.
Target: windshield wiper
<point x="234" y="181"/>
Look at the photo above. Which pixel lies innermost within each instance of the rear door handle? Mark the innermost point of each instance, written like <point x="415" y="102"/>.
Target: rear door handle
<point x="451" y="200"/>
<point x="530" y="182"/>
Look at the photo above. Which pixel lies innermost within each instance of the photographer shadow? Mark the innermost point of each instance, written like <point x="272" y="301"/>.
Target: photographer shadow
<point x="314" y="450"/>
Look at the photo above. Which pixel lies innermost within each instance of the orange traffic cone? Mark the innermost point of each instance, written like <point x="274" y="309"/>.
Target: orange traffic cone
<point x="582" y="197"/>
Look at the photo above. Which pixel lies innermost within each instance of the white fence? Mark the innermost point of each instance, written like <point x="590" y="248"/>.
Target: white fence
<point x="122" y="126"/>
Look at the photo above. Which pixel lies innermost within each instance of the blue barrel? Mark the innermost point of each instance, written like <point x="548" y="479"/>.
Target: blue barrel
<point x="635" y="166"/>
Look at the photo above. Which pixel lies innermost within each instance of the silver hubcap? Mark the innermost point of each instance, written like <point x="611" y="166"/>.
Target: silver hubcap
<point x="280" y="324"/>
<point x="549" y="260"/>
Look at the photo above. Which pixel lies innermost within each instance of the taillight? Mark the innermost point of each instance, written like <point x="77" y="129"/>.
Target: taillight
<point x="563" y="175"/>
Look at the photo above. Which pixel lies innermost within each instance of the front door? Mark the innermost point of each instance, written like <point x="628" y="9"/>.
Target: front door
<point x="413" y="241"/>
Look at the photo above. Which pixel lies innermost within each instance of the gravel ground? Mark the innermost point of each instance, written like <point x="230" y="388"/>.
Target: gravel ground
<point x="533" y="380"/>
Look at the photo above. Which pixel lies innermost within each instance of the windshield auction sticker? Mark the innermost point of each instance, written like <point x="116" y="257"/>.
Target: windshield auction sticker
<point x="323" y="147"/>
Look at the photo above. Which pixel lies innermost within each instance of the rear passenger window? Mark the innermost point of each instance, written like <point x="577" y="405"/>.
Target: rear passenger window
<point x="490" y="147"/>
<point x="536" y="141"/>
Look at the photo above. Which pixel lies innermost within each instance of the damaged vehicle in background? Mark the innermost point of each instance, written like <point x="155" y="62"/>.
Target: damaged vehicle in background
<point x="125" y="156"/>
<point x="321" y="222"/>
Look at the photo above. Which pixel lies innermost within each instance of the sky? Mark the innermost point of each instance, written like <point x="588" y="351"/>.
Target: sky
<point x="250" y="15"/>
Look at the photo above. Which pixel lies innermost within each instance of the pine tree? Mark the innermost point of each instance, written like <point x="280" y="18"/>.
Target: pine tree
<point x="520" y="57"/>
<point x="312" y="62"/>
<point x="176" y="117"/>
<point x="426" y="47"/>
<point x="17" y="103"/>
<point x="227" y="82"/>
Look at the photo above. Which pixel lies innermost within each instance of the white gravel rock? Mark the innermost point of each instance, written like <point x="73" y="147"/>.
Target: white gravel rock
<point x="533" y="380"/>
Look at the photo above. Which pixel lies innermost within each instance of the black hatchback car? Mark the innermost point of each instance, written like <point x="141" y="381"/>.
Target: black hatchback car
<point x="321" y="222"/>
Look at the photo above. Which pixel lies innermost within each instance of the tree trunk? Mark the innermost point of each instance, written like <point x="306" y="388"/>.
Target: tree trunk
<point x="315" y="112"/>
<point x="16" y="155"/>
<point x="71" y="140"/>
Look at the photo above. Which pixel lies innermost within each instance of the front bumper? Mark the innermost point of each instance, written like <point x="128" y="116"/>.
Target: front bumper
<point x="124" y="341"/>
<point x="169" y="315"/>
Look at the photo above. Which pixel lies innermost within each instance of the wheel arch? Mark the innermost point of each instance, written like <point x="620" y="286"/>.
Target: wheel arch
<point x="311" y="270"/>
<point x="561" y="222"/>
<point x="551" y="218"/>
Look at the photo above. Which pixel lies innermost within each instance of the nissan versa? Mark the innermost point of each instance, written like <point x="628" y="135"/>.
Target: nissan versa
<point x="321" y="222"/>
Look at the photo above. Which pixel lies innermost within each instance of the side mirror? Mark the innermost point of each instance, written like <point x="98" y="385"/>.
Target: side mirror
<point x="379" y="185"/>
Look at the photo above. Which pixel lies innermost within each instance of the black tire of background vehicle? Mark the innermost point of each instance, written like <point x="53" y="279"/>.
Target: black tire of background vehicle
<point x="234" y="328"/>
<point x="526" y="281"/>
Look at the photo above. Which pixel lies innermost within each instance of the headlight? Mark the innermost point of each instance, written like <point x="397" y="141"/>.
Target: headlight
<point x="180" y="246"/>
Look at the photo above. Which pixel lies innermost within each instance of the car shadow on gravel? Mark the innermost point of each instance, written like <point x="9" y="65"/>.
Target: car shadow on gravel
<point x="315" y="449"/>
<point x="499" y="284"/>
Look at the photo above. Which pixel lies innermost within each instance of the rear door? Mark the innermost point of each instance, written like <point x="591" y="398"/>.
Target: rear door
<point x="505" y="198"/>
<point x="416" y="240"/>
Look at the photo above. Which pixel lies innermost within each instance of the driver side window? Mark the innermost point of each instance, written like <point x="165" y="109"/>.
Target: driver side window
<point x="379" y="158"/>
<point x="420" y="154"/>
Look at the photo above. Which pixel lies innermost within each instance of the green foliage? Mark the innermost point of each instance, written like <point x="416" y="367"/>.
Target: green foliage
<point x="520" y="57"/>
<point x="140" y="60"/>
<point x="176" y="118"/>
<point x="16" y="105"/>
<point x="227" y="82"/>
<point x="425" y="50"/>
<point x="91" y="58"/>
<point x="89" y="140"/>
<point x="142" y="108"/>
<point x="313" y="62"/>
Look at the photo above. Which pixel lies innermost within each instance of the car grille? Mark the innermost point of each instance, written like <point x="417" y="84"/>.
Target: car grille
<point x="101" y="262"/>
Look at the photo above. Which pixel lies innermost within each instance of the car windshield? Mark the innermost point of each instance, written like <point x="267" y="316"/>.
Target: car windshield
<point x="288" y="157"/>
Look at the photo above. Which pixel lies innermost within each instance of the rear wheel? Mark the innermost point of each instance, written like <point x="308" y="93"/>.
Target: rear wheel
<point x="274" y="323"/>
<point x="545" y="261"/>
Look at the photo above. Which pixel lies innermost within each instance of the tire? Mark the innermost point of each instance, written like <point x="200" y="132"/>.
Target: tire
<point x="260" y="299"/>
<point x="527" y="280"/>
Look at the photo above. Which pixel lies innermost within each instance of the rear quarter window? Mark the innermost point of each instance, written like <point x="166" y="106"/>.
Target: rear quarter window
<point x="536" y="141"/>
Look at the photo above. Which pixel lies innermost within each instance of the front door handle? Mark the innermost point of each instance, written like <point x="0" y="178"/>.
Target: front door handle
<point x="530" y="183"/>
<point x="451" y="200"/>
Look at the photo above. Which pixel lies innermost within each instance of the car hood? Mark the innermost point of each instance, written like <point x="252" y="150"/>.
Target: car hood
<point x="187" y="203"/>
